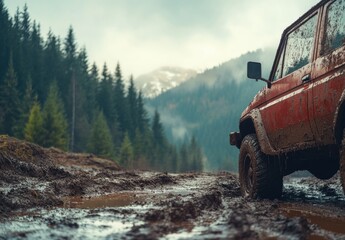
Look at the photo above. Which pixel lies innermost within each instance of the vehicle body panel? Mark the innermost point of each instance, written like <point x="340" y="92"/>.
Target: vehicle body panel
<point x="327" y="88"/>
<point x="284" y="116"/>
<point x="294" y="114"/>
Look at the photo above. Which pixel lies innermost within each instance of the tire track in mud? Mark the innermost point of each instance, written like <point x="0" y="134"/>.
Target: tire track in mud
<point x="52" y="195"/>
<point x="184" y="206"/>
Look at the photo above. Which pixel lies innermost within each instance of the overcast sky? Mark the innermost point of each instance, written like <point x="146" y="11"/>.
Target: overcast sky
<point x="146" y="34"/>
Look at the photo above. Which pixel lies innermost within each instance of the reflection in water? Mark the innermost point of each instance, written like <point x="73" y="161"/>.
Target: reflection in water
<point x="328" y="223"/>
<point x="71" y="223"/>
<point x="112" y="200"/>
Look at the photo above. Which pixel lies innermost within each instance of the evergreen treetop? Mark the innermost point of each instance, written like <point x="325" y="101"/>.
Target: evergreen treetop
<point x="96" y="112"/>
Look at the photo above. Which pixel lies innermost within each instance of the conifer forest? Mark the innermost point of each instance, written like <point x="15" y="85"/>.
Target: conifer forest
<point x="53" y="95"/>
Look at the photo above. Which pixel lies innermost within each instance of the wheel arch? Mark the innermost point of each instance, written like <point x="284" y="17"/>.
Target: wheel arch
<point x="247" y="127"/>
<point x="339" y="120"/>
<point x="253" y="124"/>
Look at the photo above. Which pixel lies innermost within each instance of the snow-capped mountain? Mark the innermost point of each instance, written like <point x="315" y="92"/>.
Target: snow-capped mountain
<point x="162" y="79"/>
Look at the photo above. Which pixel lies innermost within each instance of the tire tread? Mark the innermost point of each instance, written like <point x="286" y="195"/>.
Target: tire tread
<point x="268" y="180"/>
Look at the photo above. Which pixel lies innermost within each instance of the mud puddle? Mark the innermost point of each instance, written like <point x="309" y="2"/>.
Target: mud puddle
<point x="110" y="216"/>
<point x="124" y="214"/>
<point x="62" y="223"/>
<point x="49" y="194"/>
<point x="324" y="220"/>
<point x="106" y="201"/>
<point x="148" y="205"/>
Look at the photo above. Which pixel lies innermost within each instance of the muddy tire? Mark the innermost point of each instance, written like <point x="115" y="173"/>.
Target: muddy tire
<point x="342" y="162"/>
<point x="260" y="176"/>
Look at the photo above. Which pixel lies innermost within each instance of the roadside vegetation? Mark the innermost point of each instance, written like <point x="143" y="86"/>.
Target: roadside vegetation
<point x="51" y="95"/>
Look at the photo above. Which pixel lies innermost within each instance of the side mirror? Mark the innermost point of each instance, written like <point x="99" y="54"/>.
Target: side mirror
<point x="254" y="72"/>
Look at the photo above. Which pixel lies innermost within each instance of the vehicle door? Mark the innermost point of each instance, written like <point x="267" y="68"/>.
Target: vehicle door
<point x="329" y="71"/>
<point x="285" y="114"/>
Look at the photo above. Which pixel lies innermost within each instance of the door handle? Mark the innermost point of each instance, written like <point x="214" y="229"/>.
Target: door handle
<point x="306" y="78"/>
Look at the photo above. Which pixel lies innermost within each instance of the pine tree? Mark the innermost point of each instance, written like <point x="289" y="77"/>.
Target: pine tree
<point x="132" y="108"/>
<point x="68" y="87"/>
<point x="36" y="67"/>
<point x="16" y="46"/>
<point x="81" y="103"/>
<point x="145" y="131"/>
<point x="84" y="84"/>
<point x="25" y="53"/>
<point x="91" y="93"/>
<point x="26" y="104"/>
<point x="54" y="122"/>
<point x="25" y="25"/>
<point x="158" y="131"/>
<point x="52" y="67"/>
<point x="159" y="143"/>
<point x="33" y="131"/>
<point x="9" y="102"/>
<point x="104" y="96"/>
<point x="126" y="153"/>
<point x="100" y="142"/>
<point x="120" y="102"/>
<point x="70" y="47"/>
<point x="142" y="118"/>
<point x="5" y="40"/>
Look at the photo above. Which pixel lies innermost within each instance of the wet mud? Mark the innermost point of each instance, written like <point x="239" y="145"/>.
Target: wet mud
<point x="48" y="194"/>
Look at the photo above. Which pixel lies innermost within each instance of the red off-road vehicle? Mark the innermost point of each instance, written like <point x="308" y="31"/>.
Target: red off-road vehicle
<point x="297" y="122"/>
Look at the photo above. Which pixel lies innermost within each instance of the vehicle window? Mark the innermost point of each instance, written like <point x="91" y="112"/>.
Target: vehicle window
<point x="278" y="72"/>
<point x="335" y="26"/>
<point x="299" y="46"/>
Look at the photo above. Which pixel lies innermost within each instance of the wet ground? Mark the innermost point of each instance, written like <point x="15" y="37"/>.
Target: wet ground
<point x="58" y="196"/>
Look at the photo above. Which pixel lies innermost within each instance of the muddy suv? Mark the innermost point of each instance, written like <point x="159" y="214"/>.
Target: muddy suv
<point x="297" y="121"/>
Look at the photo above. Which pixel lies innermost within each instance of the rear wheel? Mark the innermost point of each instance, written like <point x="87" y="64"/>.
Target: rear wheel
<point x="342" y="162"/>
<point x="260" y="176"/>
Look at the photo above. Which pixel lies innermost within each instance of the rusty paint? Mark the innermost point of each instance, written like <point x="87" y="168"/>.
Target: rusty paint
<point x="294" y="114"/>
<point x="265" y="144"/>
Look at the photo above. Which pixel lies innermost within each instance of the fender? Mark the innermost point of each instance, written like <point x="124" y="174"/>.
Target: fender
<point x="254" y="116"/>
<point x="339" y="119"/>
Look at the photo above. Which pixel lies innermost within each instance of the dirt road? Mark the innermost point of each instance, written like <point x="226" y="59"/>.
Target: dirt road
<point x="52" y="195"/>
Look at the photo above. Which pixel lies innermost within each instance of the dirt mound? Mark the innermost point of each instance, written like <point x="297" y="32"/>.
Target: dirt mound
<point x="20" y="158"/>
<point x="14" y="152"/>
<point x="11" y="148"/>
<point x="81" y="160"/>
<point x="32" y="176"/>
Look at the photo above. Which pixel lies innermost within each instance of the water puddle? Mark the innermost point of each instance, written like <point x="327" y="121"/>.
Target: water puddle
<point x="110" y="216"/>
<point x="327" y="222"/>
<point x="70" y="223"/>
<point x="111" y="200"/>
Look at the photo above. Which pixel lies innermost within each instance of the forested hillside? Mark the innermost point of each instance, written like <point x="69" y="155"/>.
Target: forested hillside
<point x="51" y="95"/>
<point x="209" y="106"/>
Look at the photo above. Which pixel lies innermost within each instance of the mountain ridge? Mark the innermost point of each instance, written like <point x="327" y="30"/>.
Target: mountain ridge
<point x="209" y="105"/>
<point x="162" y="79"/>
